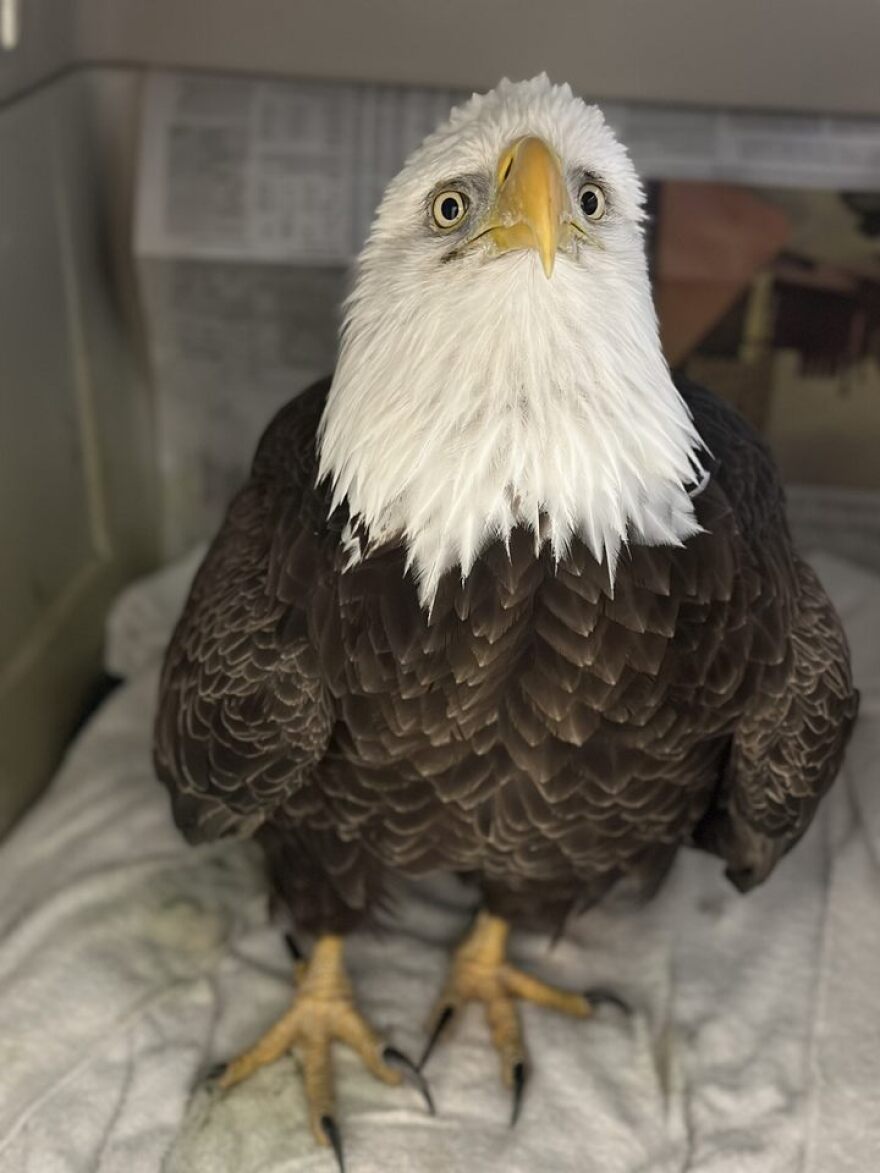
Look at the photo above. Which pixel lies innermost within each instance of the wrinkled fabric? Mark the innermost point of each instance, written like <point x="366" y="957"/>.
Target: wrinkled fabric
<point x="130" y="963"/>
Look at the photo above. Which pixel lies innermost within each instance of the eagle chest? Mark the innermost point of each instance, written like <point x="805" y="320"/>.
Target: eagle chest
<point x="537" y="677"/>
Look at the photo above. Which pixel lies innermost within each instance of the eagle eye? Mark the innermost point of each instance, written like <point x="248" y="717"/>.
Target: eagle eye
<point x="449" y="208"/>
<point x="592" y="201"/>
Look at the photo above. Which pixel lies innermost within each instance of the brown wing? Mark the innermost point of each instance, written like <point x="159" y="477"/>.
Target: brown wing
<point x="243" y="714"/>
<point x="789" y="743"/>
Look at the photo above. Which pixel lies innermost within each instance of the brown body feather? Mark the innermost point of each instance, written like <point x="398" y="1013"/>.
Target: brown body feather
<point x="539" y="731"/>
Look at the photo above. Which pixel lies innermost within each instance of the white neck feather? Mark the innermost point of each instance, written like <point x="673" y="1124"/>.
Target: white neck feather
<point x="497" y="397"/>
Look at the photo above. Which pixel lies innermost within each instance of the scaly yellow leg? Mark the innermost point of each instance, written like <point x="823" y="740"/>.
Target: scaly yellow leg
<point x="480" y="973"/>
<point x="323" y="1011"/>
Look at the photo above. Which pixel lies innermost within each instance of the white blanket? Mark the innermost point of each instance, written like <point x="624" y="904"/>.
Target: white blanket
<point x="130" y="962"/>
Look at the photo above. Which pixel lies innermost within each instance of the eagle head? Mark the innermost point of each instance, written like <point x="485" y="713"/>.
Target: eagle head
<point x="500" y="362"/>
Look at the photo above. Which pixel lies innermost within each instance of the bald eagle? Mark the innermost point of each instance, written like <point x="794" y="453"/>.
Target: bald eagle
<point x="499" y="598"/>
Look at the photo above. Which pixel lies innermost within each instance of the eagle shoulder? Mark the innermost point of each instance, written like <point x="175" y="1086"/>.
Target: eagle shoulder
<point x="243" y="713"/>
<point x="741" y="464"/>
<point x="789" y="741"/>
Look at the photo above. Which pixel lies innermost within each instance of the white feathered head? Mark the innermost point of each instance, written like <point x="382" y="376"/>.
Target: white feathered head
<point x="500" y="363"/>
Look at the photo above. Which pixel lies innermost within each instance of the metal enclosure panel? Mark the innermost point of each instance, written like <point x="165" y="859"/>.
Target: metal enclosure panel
<point x="76" y="496"/>
<point x="46" y="44"/>
<point x="803" y="55"/>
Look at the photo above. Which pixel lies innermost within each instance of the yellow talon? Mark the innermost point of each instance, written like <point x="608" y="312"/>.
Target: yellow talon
<point x="481" y="973"/>
<point x="322" y="1011"/>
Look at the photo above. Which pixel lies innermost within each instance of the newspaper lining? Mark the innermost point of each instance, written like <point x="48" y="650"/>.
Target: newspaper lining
<point x="291" y="172"/>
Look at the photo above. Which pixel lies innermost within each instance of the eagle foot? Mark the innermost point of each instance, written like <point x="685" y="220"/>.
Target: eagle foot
<point x="323" y="1011"/>
<point x="481" y="973"/>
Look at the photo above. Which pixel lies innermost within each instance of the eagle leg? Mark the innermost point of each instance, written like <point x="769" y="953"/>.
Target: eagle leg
<point x="323" y="1011"/>
<point x="480" y="973"/>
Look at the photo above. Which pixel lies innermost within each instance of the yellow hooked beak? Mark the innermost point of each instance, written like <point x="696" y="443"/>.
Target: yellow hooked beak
<point x="530" y="208"/>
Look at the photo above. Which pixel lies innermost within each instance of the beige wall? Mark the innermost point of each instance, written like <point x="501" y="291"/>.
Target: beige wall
<point x="774" y="54"/>
<point x="825" y="430"/>
<point x="805" y="55"/>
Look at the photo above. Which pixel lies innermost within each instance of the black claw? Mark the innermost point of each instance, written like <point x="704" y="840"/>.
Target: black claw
<point x="396" y="1058"/>
<point x="443" y="1020"/>
<point x="214" y="1073"/>
<point x="292" y="948"/>
<point x="599" y="996"/>
<point x="331" y="1130"/>
<point x="519" y="1083"/>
